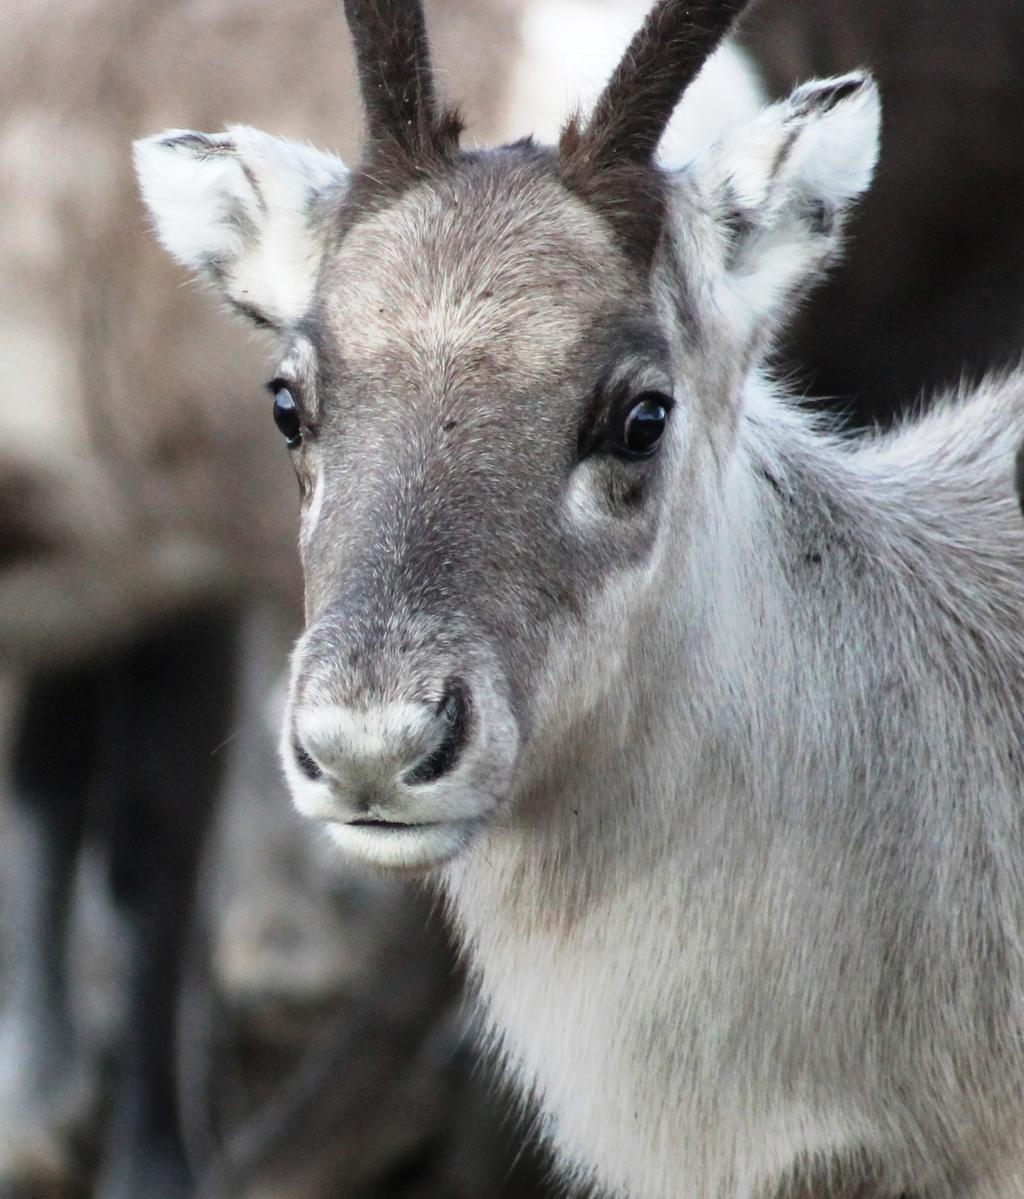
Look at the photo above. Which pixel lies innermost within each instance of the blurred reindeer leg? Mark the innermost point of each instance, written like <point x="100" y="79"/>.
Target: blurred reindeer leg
<point x="177" y="703"/>
<point x="43" y="1097"/>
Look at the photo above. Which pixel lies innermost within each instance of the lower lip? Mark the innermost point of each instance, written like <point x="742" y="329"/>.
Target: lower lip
<point x="403" y="847"/>
<point x="387" y="826"/>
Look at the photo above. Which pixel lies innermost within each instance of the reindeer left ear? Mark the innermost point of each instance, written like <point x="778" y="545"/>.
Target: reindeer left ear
<point x="780" y="188"/>
<point x="248" y="212"/>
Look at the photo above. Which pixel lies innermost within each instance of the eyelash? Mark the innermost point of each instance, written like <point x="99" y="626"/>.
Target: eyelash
<point x="279" y="383"/>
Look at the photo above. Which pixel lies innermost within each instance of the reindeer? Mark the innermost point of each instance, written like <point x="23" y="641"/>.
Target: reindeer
<point x="706" y="720"/>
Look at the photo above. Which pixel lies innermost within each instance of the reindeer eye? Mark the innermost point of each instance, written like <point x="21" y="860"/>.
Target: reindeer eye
<point x="644" y="425"/>
<point x="286" y="416"/>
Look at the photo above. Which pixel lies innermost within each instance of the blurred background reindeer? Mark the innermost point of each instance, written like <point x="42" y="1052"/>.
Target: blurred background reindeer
<point x="148" y="581"/>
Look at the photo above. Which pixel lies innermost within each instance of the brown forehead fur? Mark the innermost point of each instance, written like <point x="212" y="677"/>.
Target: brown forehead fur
<point x="493" y="265"/>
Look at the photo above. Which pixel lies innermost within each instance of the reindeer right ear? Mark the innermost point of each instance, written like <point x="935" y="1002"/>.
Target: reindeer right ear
<point x="248" y="212"/>
<point x="781" y="188"/>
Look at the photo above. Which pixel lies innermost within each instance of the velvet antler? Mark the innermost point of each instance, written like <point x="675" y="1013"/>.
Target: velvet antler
<point x="663" y="58"/>
<point x="397" y="84"/>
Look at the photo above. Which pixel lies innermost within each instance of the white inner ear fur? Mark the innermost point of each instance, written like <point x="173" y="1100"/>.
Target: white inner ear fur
<point x="244" y="210"/>
<point x="783" y="184"/>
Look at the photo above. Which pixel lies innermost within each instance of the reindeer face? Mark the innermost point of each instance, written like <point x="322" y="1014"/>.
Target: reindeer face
<point x="504" y="377"/>
<point x="484" y="399"/>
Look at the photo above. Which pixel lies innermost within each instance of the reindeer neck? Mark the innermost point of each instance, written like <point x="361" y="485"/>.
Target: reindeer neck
<point x="816" y="650"/>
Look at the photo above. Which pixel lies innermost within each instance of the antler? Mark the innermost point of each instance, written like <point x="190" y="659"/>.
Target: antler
<point x="396" y="81"/>
<point x="663" y="58"/>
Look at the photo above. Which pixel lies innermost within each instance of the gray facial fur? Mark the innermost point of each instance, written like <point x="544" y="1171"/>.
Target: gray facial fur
<point x="464" y="334"/>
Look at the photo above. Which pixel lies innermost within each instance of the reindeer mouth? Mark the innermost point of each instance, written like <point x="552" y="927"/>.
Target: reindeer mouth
<point x="412" y="848"/>
<point x="400" y="784"/>
<point x="394" y="825"/>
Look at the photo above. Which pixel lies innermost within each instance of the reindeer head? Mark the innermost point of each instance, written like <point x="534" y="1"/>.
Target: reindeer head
<point x="510" y="383"/>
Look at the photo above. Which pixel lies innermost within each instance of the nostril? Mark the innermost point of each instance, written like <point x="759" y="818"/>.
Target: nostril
<point x="453" y="711"/>
<point x="306" y="764"/>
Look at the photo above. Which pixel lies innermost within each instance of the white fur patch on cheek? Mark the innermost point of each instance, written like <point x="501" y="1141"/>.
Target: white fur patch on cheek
<point x="583" y="506"/>
<point x="313" y="511"/>
<point x="590" y="661"/>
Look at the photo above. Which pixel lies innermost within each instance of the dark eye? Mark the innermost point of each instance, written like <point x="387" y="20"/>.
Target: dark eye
<point x="644" y="425"/>
<point x="286" y="416"/>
